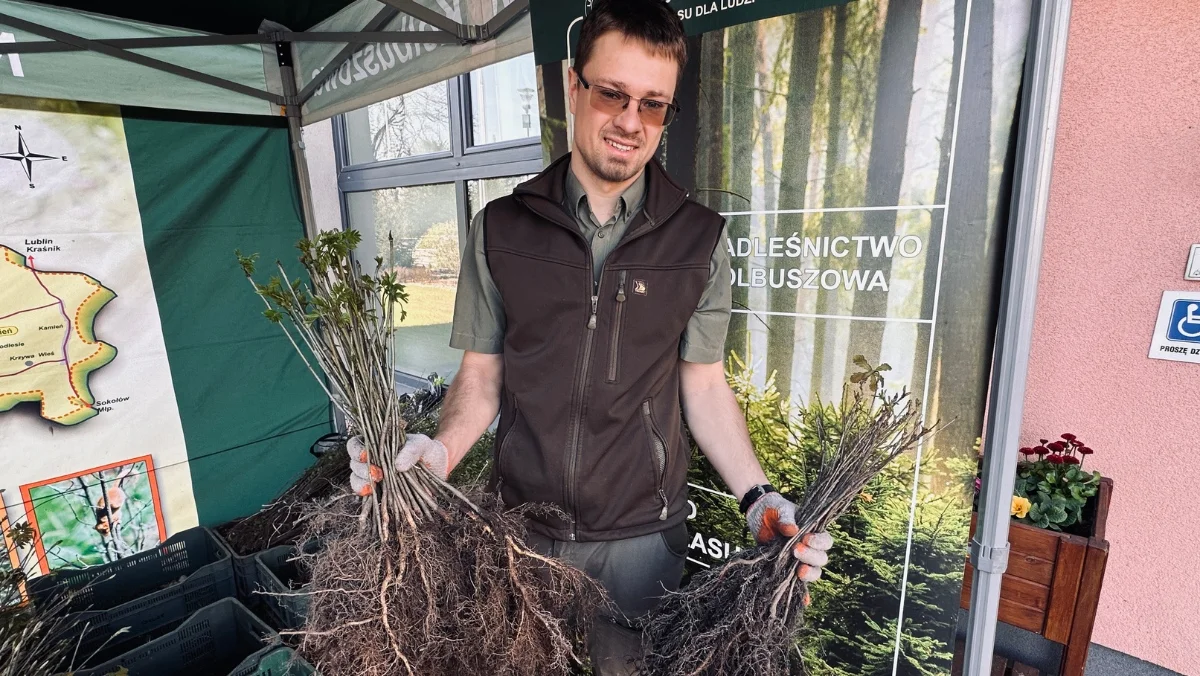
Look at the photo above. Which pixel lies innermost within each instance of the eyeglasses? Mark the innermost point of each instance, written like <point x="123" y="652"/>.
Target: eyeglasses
<point x="613" y="102"/>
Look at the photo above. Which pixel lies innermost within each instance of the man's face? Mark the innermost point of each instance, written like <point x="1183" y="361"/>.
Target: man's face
<point x="616" y="146"/>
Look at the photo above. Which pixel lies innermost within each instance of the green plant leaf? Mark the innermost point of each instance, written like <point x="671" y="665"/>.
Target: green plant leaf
<point x="1056" y="514"/>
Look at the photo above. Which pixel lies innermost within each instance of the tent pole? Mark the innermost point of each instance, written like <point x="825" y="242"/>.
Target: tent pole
<point x="1042" y="89"/>
<point x="431" y="17"/>
<point x="296" y="133"/>
<point x="505" y="18"/>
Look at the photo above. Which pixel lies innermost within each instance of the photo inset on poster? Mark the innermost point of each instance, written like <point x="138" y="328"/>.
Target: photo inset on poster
<point x="96" y="516"/>
<point x="12" y="582"/>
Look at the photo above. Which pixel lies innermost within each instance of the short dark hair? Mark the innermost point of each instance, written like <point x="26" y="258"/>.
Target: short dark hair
<point x="651" y="22"/>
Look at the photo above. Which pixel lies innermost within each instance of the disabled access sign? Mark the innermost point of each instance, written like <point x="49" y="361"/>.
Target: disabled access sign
<point x="1177" y="332"/>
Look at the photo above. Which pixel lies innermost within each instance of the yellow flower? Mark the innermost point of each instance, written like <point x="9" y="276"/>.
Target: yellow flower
<point x="1020" y="506"/>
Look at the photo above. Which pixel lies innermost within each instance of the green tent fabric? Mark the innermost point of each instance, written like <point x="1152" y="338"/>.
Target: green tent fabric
<point x="208" y="186"/>
<point x="379" y="71"/>
<point x="90" y="76"/>
<point x="250" y="78"/>
<point x="227" y="17"/>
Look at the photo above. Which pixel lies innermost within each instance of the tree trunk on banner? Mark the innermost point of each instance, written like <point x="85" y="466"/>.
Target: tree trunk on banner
<point x="964" y="343"/>
<point x="885" y="167"/>
<point x="743" y="45"/>
<point x="793" y="185"/>
<point x="825" y="330"/>
<point x="929" y="283"/>
<point x="711" y="172"/>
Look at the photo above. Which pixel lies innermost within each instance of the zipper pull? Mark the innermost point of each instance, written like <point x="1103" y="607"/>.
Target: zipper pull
<point x="621" y="288"/>
<point x="592" y="319"/>
<point x="662" y="516"/>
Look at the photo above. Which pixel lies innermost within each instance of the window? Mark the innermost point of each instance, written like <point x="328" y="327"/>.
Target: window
<point x="415" y="169"/>
<point x="416" y="234"/>
<point x="504" y="102"/>
<point x="480" y="192"/>
<point x="410" y="125"/>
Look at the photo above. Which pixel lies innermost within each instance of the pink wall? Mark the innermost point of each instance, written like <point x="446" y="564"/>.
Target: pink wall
<point x="1124" y="211"/>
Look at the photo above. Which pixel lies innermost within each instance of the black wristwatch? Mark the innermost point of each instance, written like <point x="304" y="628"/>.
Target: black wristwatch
<point x="753" y="495"/>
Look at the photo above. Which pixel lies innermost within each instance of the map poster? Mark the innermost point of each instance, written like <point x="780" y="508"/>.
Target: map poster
<point x="85" y="382"/>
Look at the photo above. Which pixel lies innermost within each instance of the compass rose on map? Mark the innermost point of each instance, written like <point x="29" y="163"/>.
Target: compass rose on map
<point x="27" y="157"/>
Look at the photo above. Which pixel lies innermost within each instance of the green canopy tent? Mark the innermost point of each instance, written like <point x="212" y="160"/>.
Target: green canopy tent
<point x="153" y="198"/>
<point x="356" y="54"/>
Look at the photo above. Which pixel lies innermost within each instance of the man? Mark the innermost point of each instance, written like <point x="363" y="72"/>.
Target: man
<point x="592" y="306"/>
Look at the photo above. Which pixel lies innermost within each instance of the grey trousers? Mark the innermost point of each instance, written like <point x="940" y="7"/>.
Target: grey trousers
<point x="635" y="572"/>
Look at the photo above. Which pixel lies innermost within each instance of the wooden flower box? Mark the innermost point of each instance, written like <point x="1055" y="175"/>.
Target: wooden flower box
<point x="1053" y="582"/>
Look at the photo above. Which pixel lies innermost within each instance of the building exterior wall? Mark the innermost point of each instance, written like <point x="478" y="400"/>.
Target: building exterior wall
<point x="1124" y="211"/>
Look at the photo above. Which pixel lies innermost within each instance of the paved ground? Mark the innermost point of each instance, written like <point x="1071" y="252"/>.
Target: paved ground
<point x="1036" y="651"/>
<point x="1106" y="662"/>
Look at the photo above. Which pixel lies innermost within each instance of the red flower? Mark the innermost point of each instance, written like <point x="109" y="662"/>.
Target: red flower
<point x="1044" y="441"/>
<point x="1086" y="451"/>
<point x="1026" y="451"/>
<point x="1069" y="437"/>
<point x="1041" y="450"/>
<point x="1055" y="459"/>
<point x="1057" y="446"/>
<point x="1070" y="460"/>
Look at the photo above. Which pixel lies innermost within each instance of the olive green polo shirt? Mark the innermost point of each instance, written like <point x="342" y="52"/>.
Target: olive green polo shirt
<point x="479" y="320"/>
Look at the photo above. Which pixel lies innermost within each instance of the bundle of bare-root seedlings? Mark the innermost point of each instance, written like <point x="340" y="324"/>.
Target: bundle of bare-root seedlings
<point x="743" y="618"/>
<point x="418" y="578"/>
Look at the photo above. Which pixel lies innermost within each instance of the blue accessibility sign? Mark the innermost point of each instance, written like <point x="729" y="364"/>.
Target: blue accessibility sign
<point x="1184" y="324"/>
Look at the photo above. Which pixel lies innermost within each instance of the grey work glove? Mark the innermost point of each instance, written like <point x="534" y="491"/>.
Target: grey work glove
<point x="774" y="516"/>
<point x="418" y="448"/>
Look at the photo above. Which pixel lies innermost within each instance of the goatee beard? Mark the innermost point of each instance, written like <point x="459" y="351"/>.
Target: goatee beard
<point x="611" y="172"/>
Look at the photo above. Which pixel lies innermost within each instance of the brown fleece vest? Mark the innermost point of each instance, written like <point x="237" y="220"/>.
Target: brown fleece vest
<point x="590" y="409"/>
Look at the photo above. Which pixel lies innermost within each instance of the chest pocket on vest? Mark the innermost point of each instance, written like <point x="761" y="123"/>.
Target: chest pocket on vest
<point x="650" y="310"/>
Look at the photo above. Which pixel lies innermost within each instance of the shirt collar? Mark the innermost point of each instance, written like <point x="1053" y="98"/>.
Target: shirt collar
<point x="629" y="203"/>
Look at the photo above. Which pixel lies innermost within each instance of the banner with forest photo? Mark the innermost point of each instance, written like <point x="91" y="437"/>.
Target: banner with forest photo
<point x="861" y="153"/>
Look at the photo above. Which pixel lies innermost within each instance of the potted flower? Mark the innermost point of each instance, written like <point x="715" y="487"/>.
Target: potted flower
<point x="1057" y="551"/>
<point x="1053" y="491"/>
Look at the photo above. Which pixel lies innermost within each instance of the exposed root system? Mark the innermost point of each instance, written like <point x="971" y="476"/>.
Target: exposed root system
<point x="731" y="620"/>
<point x="461" y="595"/>
<point x="743" y="618"/>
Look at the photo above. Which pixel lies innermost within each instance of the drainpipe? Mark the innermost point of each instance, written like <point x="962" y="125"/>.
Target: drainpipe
<point x="1041" y="92"/>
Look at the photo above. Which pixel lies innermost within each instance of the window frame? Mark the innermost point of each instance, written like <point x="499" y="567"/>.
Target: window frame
<point x="463" y="163"/>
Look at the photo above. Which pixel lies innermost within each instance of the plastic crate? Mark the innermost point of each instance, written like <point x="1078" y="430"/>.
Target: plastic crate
<point x="245" y="574"/>
<point x="280" y="662"/>
<point x="222" y="639"/>
<point x="144" y="594"/>
<point x="280" y="574"/>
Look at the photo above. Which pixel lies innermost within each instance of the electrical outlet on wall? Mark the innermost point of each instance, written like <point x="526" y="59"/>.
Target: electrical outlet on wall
<point x="1193" y="266"/>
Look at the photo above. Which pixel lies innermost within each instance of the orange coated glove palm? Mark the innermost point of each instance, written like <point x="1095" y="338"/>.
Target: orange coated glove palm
<point x="418" y="448"/>
<point x="774" y="516"/>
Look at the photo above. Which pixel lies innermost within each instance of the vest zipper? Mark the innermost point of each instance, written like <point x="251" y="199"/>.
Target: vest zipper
<point x="576" y="424"/>
<point x="561" y="217"/>
<point x="616" y="334"/>
<point x="660" y="457"/>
